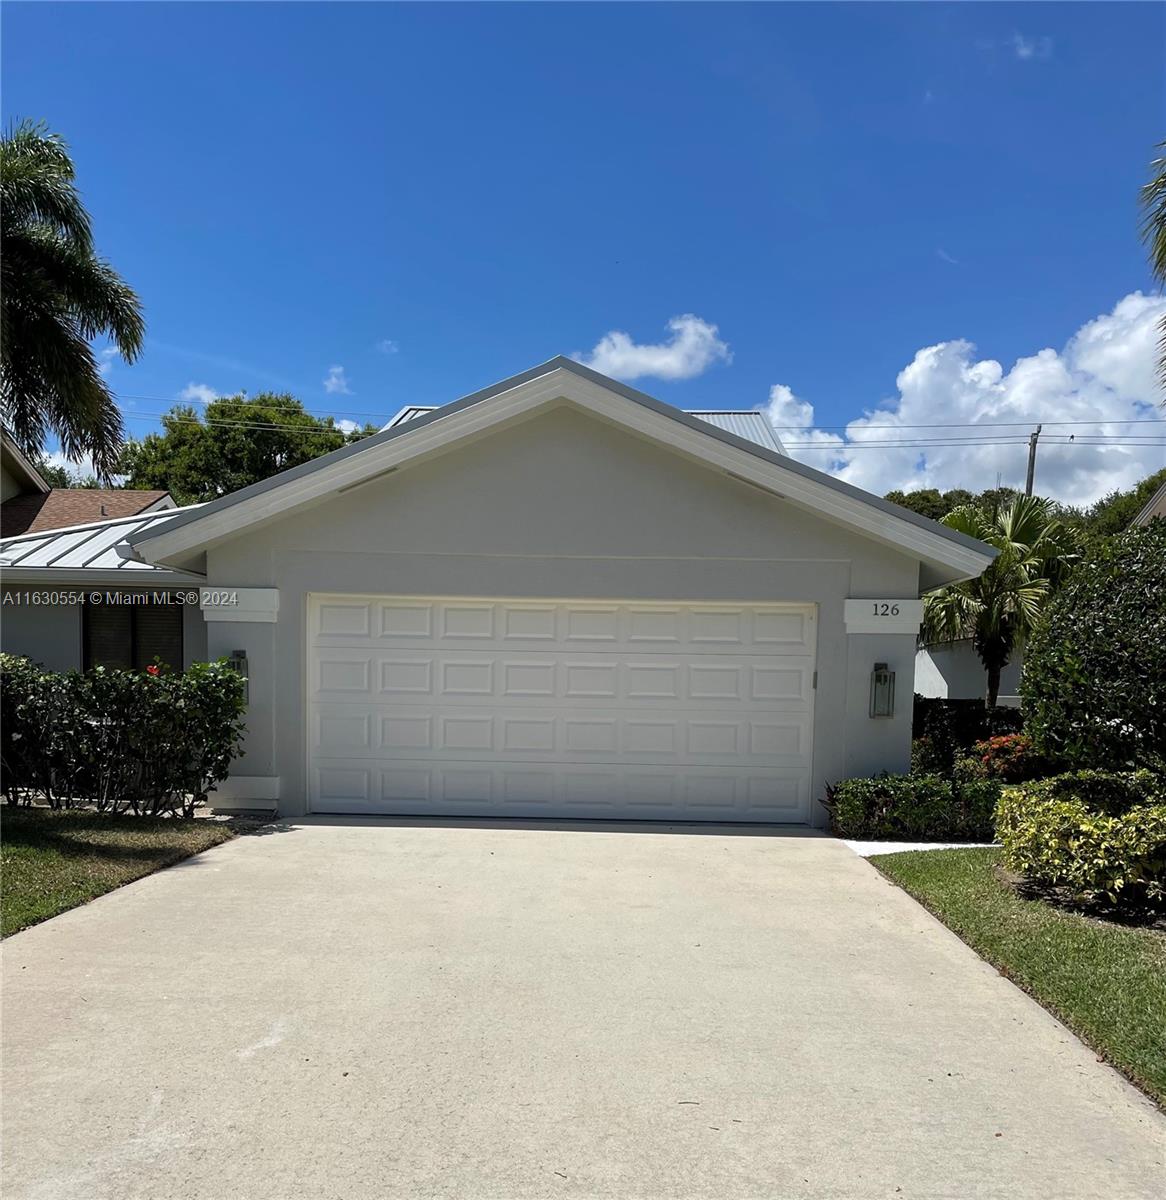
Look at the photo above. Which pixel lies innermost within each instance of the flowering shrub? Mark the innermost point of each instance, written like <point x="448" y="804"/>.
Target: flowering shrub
<point x="149" y="742"/>
<point x="1011" y="758"/>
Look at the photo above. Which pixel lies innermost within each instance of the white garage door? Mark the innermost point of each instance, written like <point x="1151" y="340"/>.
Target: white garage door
<point x="664" y="711"/>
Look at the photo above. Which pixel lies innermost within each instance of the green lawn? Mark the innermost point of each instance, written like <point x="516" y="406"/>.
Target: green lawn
<point x="1106" y="982"/>
<point x="53" y="861"/>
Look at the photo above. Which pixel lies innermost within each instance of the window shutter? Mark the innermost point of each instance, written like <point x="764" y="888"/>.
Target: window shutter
<point x="158" y="635"/>
<point x="108" y="636"/>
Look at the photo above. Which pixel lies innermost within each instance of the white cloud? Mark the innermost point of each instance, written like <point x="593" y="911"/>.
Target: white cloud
<point x="347" y="426"/>
<point x="1026" y="48"/>
<point x="105" y="359"/>
<point x="1104" y="375"/>
<point x="387" y="346"/>
<point x="947" y="258"/>
<point x="198" y="393"/>
<point x="336" y="383"/>
<point x="693" y="347"/>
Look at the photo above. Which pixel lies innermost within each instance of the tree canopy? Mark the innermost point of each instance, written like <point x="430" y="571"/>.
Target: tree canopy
<point x="1000" y="607"/>
<point x="232" y="442"/>
<point x="56" y="295"/>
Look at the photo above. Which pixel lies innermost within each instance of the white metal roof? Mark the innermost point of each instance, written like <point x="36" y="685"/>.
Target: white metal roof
<point x="752" y="426"/>
<point x="88" y="551"/>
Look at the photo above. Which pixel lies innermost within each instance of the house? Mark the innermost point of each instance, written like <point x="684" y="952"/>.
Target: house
<point x="30" y="505"/>
<point x="1155" y="507"/>
<point x="558" y="597"/>
<point x="953" y="671"/>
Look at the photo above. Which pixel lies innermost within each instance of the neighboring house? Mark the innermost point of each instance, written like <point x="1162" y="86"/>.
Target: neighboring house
<point x="1155" y="507"/>
<point x="560" y="597"/>
<point x="30" y="505"/>
<point x="69" y="600"/>
<point x="954" y="672"/>
<point x="17" y="474"/>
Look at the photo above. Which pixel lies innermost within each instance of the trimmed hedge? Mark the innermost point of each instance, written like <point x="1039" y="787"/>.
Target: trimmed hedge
<point x="913" y="808"/>
<point x="1100" y="835"/>
<point x="1094" y="685"/>
<point x="148" y="742"/>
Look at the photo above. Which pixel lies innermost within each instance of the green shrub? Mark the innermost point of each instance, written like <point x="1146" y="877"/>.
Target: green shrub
<point x="965" y="722"/>
<point x="1094" y="685"/>
<point x="1079" y="833"/>
<point x="1011" y="758"/>
<point x="913" y="808"/>
<point x="149" y="742"/>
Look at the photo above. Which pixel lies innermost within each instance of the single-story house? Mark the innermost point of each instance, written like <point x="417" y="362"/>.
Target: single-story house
<point x="556" y="597"/>
<point x="29" y="505"/>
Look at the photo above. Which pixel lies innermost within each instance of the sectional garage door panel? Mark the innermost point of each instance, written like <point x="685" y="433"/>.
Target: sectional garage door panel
<point x="585" y="709"/>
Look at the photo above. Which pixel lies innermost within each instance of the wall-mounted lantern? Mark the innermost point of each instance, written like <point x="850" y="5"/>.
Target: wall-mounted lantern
<point x="882" y="691"/>
<point x="238" y="663"/>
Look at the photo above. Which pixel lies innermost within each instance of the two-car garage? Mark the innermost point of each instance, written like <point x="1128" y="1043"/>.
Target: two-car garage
<point x="495" y="707"/>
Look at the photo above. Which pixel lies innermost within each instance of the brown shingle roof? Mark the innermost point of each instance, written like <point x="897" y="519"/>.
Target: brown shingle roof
<point x="71" y="506"/>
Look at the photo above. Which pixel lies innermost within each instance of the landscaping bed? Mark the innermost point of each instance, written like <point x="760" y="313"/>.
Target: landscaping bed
<point x="55" y="860"/>
<point x="1106" y="981"/>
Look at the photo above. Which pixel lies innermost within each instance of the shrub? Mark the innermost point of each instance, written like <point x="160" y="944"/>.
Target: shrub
<point x="1094" y="685"/>
<point x="1096" y="837"/>
<point x="149" y="742"/>
<point x="965" y="721"/>
<point x="913" y="808"/>
<point x="1011" y="758"/>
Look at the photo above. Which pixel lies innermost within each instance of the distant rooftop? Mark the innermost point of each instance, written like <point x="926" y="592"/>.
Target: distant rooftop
<point x="750" y="426"/>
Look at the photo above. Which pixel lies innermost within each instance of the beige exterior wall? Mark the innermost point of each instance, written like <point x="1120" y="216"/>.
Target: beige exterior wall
<point x="565" y="506"/>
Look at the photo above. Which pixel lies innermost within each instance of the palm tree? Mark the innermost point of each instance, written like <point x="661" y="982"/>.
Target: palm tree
<point x="56" y="295"/>
<point x="999" y="608"/>
<point x="1153" y="200"/>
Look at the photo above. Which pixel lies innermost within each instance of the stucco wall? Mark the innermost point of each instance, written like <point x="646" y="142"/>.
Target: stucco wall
<point x="52" y="635"/>
<point x="955" y="672"/>
<point x="565" y="506"/>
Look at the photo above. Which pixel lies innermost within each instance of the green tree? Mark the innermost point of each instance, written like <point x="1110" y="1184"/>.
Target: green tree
<point x="56" y="295"/>
<point x="233" y="442"/>
<point x="1153" y="198"/>
<point x="1113" y="514"/>
<point x="1094" y="686"/>
<point x="999" y="608"/>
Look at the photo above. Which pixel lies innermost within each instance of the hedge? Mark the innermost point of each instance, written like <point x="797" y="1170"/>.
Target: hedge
<point x="913" y="808"/>
<point x="1101" y="836"/>
<point x="148" y="742"/>
<point x="1094" y="684"/>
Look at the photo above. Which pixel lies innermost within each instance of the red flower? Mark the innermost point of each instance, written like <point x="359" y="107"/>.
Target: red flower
<point x="152" y="670"/>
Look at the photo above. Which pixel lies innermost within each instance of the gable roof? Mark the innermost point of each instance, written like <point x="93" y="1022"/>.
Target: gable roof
<point x="87" y="553"/>
<point x="1155" y="507"/>
<point x="16" y="462"/>
<point x="62" y="507"/>
<point x="750" y="425"/>
<point x="944" y="554"/>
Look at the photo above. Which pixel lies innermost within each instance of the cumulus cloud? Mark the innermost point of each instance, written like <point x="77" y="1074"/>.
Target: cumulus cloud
<point x="336" y="382"/>
<point x="347" y="426"/>
<point x="693" y="347"/>
<point x="198" y="393"/>
<point x="105" y="358"/>
<point x="1103" y="379"/>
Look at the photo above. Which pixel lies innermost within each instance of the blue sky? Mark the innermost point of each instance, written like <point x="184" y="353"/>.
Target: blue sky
<point x="432" y="197"/>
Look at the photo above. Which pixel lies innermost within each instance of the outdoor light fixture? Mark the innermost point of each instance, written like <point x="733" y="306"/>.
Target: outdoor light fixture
<point x="238" y="663"/>
<point x="882" y="691"/>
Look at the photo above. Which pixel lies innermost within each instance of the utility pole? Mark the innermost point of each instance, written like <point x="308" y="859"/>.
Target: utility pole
<point x="1032" y="439"/>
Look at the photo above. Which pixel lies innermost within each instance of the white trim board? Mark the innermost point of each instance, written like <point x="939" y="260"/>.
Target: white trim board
<point x="946" y="556"/>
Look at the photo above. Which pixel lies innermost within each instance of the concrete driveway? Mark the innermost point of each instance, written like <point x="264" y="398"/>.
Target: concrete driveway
<point x="372" y="1009"/>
